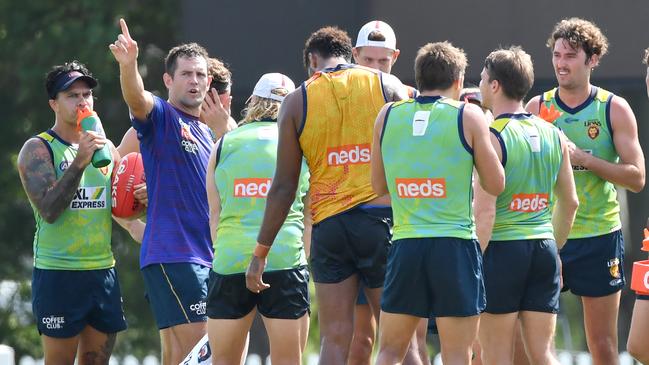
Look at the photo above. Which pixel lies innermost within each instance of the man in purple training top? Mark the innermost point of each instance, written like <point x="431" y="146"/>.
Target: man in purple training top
<point x="176" y="252"/>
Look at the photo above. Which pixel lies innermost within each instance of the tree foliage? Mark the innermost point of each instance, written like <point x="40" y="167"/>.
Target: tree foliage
<point x="35" y="35"/>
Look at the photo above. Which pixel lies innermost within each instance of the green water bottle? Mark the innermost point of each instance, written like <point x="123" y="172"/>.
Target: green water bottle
<point x="88" y="120"/>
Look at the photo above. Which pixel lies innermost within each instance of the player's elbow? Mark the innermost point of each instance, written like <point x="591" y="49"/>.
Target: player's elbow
<point x="380" y="189"/>
<point x="485" y="214"/>
<point x="282" y="191"/>
<point x="377" y="180"/>
<point x="48" y="216"/>
<point x="494" y="185"/>
<point x="47" y="212"/>
<point x="571" y="205"/>
<point x="637" y="187"/>
<point x="638" y="182"/>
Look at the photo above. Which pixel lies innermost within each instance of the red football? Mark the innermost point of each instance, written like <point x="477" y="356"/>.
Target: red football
<point x="128" y="174"/>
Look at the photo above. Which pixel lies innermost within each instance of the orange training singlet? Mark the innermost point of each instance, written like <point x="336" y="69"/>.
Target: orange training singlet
<point x="341" y="105"/>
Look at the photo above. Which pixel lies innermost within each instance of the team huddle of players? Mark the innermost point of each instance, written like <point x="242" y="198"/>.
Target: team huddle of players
<point x="464" y="211"/>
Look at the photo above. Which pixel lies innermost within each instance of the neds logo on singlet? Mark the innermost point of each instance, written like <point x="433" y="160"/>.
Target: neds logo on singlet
<point x="348" y="155"/>
<point x="252" y="187"/>
<point x="528" y="203"/>
<point x="421" y="188"/>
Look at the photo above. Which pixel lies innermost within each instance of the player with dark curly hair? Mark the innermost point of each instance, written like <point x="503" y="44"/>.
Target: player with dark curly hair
<point x="604" y="151"/>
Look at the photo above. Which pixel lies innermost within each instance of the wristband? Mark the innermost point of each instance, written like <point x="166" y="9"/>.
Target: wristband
<point x="261" y="251"/>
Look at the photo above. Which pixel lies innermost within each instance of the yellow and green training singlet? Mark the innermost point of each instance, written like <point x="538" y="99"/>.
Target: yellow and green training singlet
<point x="80" y="239"/>
<point x="589" y="127"/>
<point x="428" y="168"/>
<point x="340" y="108"/>
<point x="246" y="161"/>
<point x="531" y="155"/>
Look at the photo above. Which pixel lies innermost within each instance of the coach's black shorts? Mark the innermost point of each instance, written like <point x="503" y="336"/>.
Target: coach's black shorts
<point x="522" y="275"/>
<point x="594" y="266"/>
<point x="353" y="242"/>
<point x="287" y="297"/>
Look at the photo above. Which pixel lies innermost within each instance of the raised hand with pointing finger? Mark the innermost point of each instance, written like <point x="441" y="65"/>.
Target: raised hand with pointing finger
<point x="125" y="51"/>
<point x="172" y="136"/>
<point x="125" y="48"/>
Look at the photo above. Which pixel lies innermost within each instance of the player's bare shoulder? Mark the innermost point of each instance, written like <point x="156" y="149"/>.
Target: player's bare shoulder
<point x="621" y="112"/>
<point x="473" y="114"/>
<point x="292" y="109"/>
<point x="533" y="105"/>
<point x="393" y="88"/>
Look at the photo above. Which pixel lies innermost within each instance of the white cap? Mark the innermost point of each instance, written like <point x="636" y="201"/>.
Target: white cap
<point x="268" y="83"/>
<point x="363" y="40"/>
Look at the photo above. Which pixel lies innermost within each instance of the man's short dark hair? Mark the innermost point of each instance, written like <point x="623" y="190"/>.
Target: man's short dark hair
<point x="188" y="50"/>
<point x="328" y="42"/>
<point x="438" y="66"/>
<point x="57" y="71"/>
<point x="513" y="69"/>
<point x="376" y="36"/>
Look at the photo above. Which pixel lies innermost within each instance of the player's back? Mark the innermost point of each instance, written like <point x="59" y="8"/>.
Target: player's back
<point x="428" y="168"/>
<point x="246" y="160"/>
<point x="340" y="107"/>
<point x="532" y="158"/>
